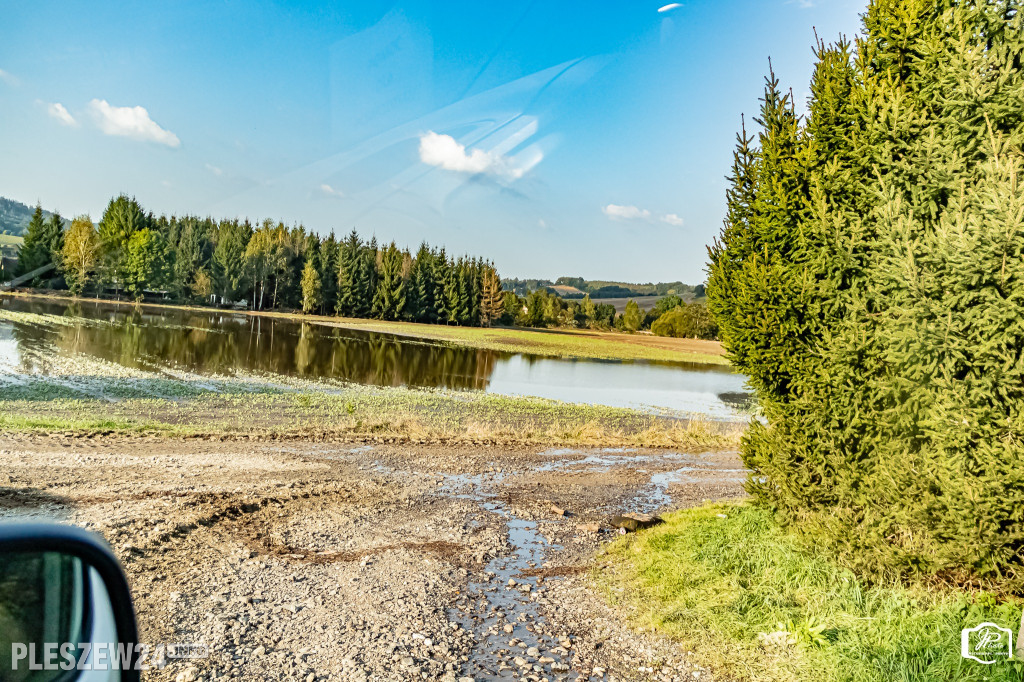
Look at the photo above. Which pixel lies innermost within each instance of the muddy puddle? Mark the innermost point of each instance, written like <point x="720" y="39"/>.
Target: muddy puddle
<point x="512" y="637"/>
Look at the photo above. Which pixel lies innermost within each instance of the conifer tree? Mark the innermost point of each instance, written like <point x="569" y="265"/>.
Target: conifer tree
<point x="493" y="300"/>
<point x="348" y="274"/>
<point x="865" y="281"/>
<point x="389" y="298"/>
<point x="121" y="220"/>
<point x="32" y="253"/>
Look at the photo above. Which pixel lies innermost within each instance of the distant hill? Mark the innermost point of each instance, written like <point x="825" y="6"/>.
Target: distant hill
<point x="577" y="287"/>
<point x="15" y="216"/>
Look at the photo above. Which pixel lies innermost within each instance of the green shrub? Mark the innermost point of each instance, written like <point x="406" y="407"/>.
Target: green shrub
<point x="870" y="281"/>
<point x="691" y="321"/>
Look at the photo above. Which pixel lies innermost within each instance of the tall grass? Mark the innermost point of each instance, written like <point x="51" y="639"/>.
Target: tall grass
<point x="754" y="604"/>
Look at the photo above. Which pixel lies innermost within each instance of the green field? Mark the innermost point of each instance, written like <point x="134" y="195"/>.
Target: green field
<point x="9" y="244"/>
<point x="556" y="342"/>
<point x="753" y="603"/>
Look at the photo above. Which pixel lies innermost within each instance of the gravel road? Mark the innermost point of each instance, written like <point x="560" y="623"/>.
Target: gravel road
<point x="301" y="560"/>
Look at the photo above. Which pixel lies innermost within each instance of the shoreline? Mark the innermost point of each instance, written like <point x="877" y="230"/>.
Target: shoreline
<point x="555" y="343"/>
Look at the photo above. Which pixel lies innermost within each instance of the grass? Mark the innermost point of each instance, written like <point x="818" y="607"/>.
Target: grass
<point x="252" y="408"/>
<point x="752" y="603"/>
<point x="9" y="245"/>
<point x="568" y="343"/>
<point x="572" y="343"/>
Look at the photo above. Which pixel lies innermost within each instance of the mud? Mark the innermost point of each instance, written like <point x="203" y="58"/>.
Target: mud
<point x="347" y="561"/>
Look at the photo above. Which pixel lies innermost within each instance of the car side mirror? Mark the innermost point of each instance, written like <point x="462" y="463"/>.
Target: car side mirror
<point x="65" y="608"/>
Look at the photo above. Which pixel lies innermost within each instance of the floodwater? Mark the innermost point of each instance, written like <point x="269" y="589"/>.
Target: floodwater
<point x="228" y="344"/>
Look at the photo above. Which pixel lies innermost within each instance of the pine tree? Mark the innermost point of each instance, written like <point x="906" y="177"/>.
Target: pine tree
<point x="146" y="262"/>
<point x="228" y="259"/>
<point x="32" y="253"/>
<point x="348" y="274"/>
<point x="121" y="220"/>
<point x="389" y="298"/>
<point x="327" y="268"/>
<point x="451" y="305"/>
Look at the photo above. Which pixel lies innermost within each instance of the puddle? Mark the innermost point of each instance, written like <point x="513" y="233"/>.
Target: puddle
<point x="494" y="603"/>
<point x="491" y="603"/>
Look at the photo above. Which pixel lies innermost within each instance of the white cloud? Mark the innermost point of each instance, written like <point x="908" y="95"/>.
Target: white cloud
<point x="57" y="111"/>
<point x="444" y="152"/>
<point x="9" y="78"/>
<point x="214" y="169"/>
<point x="670" y="7"/>
<point x="133" y="122"/>
<point x="542" y="224"/>
<point x="329" y="191"/>
<point x="616" y="212"/>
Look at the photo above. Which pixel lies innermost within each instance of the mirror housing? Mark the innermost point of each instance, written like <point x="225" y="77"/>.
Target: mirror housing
<point x="67" y="570"/>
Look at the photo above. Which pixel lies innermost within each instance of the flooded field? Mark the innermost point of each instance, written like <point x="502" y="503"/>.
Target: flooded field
<point x="209" y="343"/>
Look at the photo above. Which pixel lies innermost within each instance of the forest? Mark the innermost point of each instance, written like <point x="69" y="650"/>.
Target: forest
<point x="269" y="266"/>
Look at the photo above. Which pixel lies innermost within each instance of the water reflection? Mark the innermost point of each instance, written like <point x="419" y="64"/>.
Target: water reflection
<point x="224" y="343"/>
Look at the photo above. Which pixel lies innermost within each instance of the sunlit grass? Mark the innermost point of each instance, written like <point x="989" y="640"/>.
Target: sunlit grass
<point x="753" y="604"/>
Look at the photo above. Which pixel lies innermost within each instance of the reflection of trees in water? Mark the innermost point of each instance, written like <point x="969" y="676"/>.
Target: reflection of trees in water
<point x="224" y="344"/>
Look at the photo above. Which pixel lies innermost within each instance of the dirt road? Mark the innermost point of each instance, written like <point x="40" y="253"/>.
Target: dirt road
<point x="301" y="560"/>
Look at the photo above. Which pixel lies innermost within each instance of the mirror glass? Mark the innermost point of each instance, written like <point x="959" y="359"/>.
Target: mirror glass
<point x="52" y="607"/>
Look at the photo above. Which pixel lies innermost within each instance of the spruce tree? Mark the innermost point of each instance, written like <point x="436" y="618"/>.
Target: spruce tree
<point x="493" y="298"/>
<point x="866" y="281"/>
<point x="389" y="298"/>
<point x="32" y="253"/>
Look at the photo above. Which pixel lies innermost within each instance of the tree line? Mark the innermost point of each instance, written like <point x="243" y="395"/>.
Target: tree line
<point x="270" y="266"/>
<point x="264" y="266"/>
<point x="869" y="280"/>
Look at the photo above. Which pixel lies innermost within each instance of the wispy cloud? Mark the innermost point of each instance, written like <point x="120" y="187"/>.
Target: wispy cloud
<point x="214" y="169"/>
<point x="444" y="152"/>
<point x="57" y="111"/>
<point x="329" y="191"/>
<point x="619" y="212"/>
<point x="9" y="78"/>
<point x="670" y="7"/>
<point x="133" y="122"/>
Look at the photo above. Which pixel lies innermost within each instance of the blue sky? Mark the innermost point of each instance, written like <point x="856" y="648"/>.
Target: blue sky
<point x="556" y="138"/>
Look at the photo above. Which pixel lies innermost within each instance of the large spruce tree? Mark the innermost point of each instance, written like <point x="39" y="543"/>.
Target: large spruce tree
<point x="869" y="280"/>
